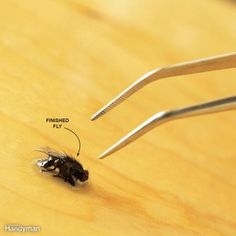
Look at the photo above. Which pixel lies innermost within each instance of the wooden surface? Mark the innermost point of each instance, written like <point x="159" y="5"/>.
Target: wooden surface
<point x="68" y="58"/>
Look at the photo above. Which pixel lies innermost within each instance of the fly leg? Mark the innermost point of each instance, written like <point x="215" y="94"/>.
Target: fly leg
<point x="47" y="170"/>
<point x="71" y="181"/>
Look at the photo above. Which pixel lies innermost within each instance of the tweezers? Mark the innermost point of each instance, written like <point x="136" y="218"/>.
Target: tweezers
<point x="221" y="62"/>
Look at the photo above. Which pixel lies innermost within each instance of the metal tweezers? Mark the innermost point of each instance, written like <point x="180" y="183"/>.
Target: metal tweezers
<point x="220" y="62"/>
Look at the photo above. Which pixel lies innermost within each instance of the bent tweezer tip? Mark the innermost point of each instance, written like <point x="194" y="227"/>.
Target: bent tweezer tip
<point x="220" y="62"/>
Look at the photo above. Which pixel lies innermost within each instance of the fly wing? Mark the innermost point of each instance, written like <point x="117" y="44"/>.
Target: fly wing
<point x="51" y="152"/>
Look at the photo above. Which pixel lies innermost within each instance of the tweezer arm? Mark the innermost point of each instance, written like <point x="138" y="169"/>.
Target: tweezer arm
<point x="164" y="116"/>
<point x="221" y="62"/>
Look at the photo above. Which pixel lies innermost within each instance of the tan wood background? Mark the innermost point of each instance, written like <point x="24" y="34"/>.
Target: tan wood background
<point x="67" y="58"/>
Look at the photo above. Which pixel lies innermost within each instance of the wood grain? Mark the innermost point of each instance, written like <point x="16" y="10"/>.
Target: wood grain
<point x="68" y="58"/>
